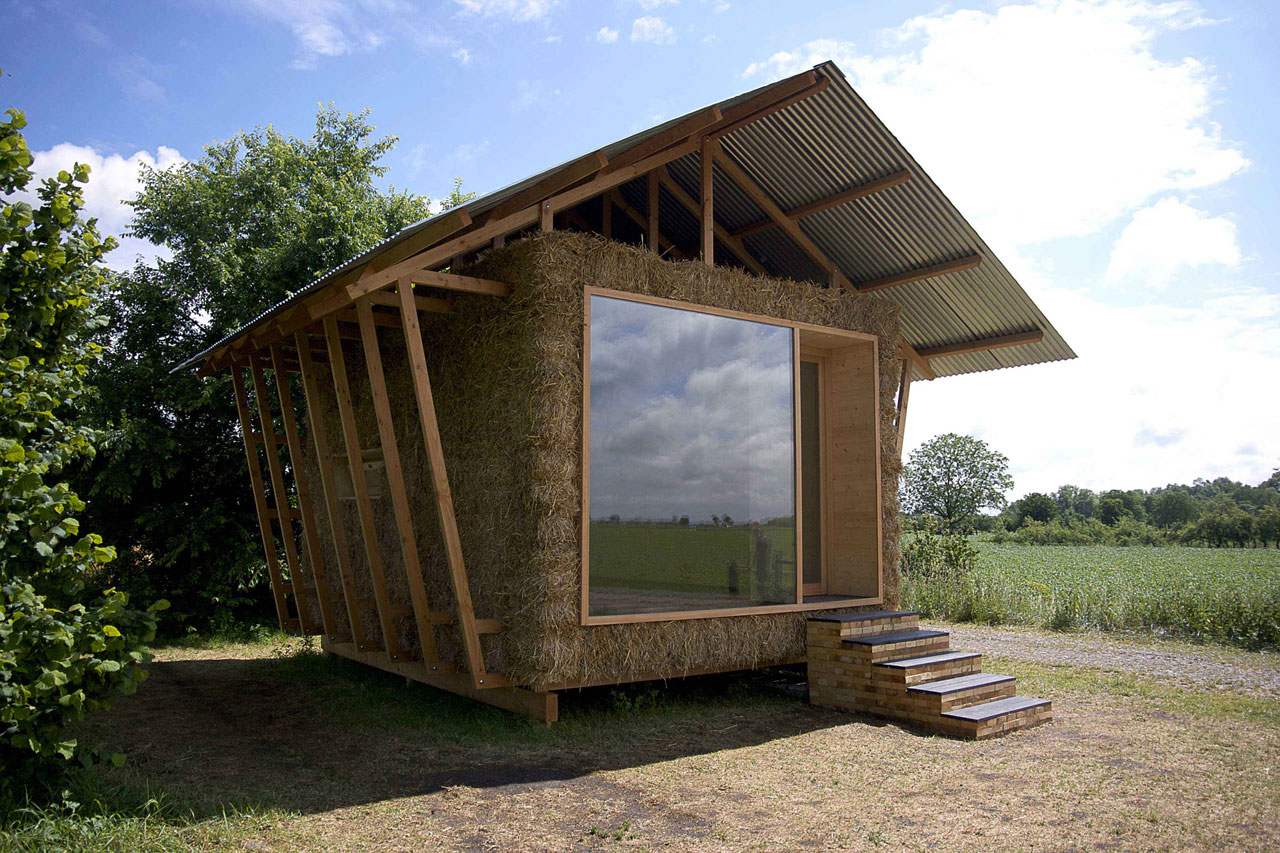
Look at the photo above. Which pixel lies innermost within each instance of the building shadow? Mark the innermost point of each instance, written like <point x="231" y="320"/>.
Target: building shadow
<point x="313" y="733"/>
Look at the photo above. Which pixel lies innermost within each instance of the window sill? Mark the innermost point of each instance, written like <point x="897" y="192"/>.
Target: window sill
<point x="812" y="602"/>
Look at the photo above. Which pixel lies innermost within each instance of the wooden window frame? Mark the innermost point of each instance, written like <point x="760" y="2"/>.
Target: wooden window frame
<point x="816" y="338"/>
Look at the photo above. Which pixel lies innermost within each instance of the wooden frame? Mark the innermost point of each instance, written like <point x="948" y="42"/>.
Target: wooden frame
<point x="818" y="358"/>
<point x="821" y="337"/>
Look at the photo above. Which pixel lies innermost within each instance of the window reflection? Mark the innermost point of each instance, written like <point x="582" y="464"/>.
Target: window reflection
<point x="692" y="461"/>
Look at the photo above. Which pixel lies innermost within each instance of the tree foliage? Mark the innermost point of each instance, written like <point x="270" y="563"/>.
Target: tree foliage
<point x="256" y="218"/>
<point x="63" y="650"/>
<point x="955" y="477"/>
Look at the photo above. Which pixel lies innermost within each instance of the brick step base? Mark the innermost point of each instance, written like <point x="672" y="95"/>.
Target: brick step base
<point x="883" y="663"/>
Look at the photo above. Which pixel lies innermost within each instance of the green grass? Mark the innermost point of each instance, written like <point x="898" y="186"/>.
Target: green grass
<point x="669" y="557"/>
<point x="1204" y="594"/>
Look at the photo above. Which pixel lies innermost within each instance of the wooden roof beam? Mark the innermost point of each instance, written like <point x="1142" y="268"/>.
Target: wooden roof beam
<point x="852" y="193"/>
<point x="665" y="245"/>
<point x="425" y="304"/>
<point x="812" y="86"/>
<point x="721" y="233"/>
<point x="578" y="170"/>
<point x="968" y="262"/>
<point x="921" y="363"/>
<point x="983" y="344"/>
<point x="740" y="177"/>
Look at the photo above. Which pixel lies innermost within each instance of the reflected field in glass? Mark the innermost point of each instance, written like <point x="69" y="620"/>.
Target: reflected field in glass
<point x="692" y="461"/>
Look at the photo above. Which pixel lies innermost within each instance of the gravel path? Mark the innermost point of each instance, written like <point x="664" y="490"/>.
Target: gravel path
<point x="1255" y="673"/>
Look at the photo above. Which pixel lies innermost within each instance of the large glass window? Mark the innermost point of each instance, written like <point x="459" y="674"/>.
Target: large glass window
<point x="692" y="457"/>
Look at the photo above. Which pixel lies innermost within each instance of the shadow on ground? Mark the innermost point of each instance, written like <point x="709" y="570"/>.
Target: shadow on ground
<point x="311" y="733"/>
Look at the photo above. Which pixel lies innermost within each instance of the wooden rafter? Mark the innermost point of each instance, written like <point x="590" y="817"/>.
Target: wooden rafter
<point x="921" y="363"/>
<point x="721" y="233"/>
<point x="779" y="96"/>
<point x="984" y="344"/>
<point x="364" y="505"/>
<point x="280" y="496"/>
<point x="904" y="394"/>
<point x="578" y="170"/>
<point x="426" y="304"/>
<point x="463" y="283"/>
<point x="852" y="193"/>
<point x="665" y="245"/>
<point x="443" y="494"/>
<point x="306" y="514"/>
<point x="968" y="262"/>
<point x="739" y="176"/>
<point x="706" y="201"/>
<point x="324" y="453"/>
<point x="395" y="474"/>
<point x="260" y="501"/>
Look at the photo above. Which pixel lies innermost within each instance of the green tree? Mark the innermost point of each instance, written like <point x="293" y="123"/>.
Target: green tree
<point x="1268" y="523"/>
<point x="64" y="650"/>
<point x="1035" y="506"/>
<point x="255" y="219"/>
<point x="1073" y="500"/>
<point x="1174" y="507"/>
<point x="955" y="477"/>
<point x="1111" y="509"/>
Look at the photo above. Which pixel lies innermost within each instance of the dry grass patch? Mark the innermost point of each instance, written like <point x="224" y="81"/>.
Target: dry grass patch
<point x="350" y="758"/>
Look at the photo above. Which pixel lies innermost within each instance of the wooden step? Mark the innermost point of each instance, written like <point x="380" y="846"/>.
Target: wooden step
<point x="929" y="667"/>
<point x="965" y="690"/>
<point x="877" y="648"/>
<point x="864" y="622"/>
<point x="998" y="717"/>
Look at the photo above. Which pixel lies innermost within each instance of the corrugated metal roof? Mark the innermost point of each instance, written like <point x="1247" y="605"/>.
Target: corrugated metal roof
<point x="806" y="151"/>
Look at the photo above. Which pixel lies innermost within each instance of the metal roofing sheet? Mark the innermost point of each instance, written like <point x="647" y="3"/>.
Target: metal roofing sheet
<point x="809" y="150"/>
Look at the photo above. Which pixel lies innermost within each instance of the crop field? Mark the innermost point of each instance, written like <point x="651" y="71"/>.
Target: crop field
<point x="678" y="558"/>
<point x="1222" y="595"/>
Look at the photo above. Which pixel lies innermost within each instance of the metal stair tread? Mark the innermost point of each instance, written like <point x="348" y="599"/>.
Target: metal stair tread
<point x="930" y="660"/>
<point x="895" y="637"/>
<point x="864" y="616"/>
<point x="961" y="682"/>
<point x="998" y="708"/>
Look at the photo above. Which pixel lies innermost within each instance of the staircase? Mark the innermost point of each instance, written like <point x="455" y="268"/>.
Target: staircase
<point x="883" y="663"/>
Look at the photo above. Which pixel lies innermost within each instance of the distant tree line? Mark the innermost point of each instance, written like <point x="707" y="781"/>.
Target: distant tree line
<point x="1216" y="513"/>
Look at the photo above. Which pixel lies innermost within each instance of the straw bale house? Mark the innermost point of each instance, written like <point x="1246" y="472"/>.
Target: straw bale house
<point x="639" y="416"/>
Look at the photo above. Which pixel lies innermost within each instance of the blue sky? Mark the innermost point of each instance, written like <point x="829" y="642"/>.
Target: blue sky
<point x="1119" y="156"/>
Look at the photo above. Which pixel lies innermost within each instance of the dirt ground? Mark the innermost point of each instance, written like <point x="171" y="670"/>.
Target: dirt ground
<point x="351" y="759"/>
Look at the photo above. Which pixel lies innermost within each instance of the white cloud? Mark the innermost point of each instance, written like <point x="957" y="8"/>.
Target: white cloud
<point x="1159" y="395"/>
<point x="606" y="35"/>
<point x="518" y="10"/>
<point x="652" y="30"/>
<point x="462" y="55"/>
<point x="1168" y="237"/>
<point x="113" y="179"/>
<point x="1044" y="120"/>
<point x="137" y="80"/>
<point x="650" y="5"/>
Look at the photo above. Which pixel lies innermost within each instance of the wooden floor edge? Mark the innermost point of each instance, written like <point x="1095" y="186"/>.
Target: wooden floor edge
<point x="539" y="705"/>
<point x="671" y="676"/>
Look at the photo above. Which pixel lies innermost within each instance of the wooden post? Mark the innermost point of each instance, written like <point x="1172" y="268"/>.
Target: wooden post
<point x="395" y="475"/>
<point x="320" y="437"/>
<point x="706" y="200"/>
<point x="355" y="462"/>
<point x="546" y="217"/>
<point x="904" y="393"/>
<point x="440" y="484"/>
<point x="280" y="496"/>
<point x="310" y="535"/>
<point x="260" y="499"/>
<point x="652" y="235"/>
<point x="606" y="215"/>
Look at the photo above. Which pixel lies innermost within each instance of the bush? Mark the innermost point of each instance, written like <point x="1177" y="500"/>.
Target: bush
<point x="59" y="657"/>
<point x="57" y="665"/>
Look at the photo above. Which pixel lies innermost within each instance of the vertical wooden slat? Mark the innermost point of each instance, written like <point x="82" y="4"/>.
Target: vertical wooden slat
<point x="652" y="237"/>
<point x="320" y="437"/>
<point x="606" y="215"/>
<point x="280" y="496"/>
<point x="355" y="462"/>
<point x="706" y="200"/>
<point x="546" y="217"/>
<point x="904" y="393"/>
<point x="395" y="475"/>
<point x="260" y="498"/>
<point x="310" y="535"/>
<point x="440" y="482"/>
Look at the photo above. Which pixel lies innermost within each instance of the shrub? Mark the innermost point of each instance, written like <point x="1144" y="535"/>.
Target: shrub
<point x="59" y="656"/>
